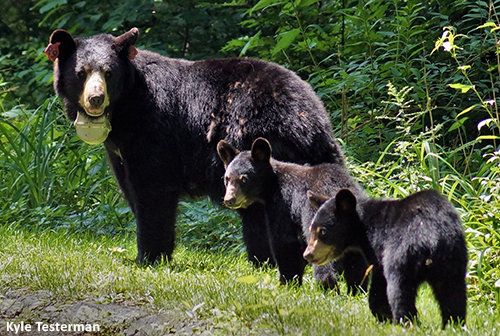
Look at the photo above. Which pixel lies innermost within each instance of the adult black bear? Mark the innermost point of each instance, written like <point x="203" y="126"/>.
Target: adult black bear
<point x="255" y="177"/>
<point x="409" y="241"/>
<point x="165" y="117"/>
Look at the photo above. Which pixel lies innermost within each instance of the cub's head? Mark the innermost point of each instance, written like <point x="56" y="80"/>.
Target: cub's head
<point x="91" y="73"/>
<point x="246" y="173"/>
<point x="331" y="226"/>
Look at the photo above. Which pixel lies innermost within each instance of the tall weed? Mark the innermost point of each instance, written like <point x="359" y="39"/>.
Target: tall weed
<point x="46" y="167"/>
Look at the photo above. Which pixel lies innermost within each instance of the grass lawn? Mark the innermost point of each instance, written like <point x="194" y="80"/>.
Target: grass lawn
<point x="216" y="293"/>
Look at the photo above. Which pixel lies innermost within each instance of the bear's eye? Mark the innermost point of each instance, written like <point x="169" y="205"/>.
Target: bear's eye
<point x="81" y="74"/>
<point x="108" y="74"/>
<point x="322" y="232"/>
<point x="244" y="179"/>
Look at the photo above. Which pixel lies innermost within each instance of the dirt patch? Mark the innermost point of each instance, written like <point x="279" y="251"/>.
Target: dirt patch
<point x="45" y="316"/>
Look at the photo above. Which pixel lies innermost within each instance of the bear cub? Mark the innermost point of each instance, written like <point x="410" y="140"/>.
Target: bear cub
<point x="410" y="241"/>
<point x="255" y="177"/>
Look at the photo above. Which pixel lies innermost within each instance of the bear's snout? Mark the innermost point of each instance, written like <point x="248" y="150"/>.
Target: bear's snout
<point x="96" y="100"/>
<point x="230" y="202"/>
<point x="308" y="254"/>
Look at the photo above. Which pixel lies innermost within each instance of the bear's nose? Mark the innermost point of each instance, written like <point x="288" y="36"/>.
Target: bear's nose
<point x="308" y="255"/>
<point x="229" y="202"/>
<point x="96" y="101"/>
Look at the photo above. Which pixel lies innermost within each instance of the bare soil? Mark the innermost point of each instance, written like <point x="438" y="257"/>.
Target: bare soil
<point x="124" y="318"/>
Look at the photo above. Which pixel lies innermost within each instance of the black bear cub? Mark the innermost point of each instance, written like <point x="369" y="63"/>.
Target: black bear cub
<point x="419" y="238"/>
<point x="255" y="177"/>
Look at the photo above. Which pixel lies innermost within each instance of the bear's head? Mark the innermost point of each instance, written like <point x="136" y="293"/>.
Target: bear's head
<point x="92" y="73"/>
<point x="331" y="227"/>
<point x="247" y="173"/>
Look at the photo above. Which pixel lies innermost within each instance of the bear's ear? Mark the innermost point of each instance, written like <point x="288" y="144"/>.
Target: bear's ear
<point x="125" y="43"/>
<point x="226" y="152"/>
<point x="261" y="150"/>
<point x="61" y="45"/>
<point x="316" y="199"/>
<point x="345" y="201"/>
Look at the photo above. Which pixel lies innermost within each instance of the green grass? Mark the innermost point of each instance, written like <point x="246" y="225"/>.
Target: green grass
<point x="214" y="286"/>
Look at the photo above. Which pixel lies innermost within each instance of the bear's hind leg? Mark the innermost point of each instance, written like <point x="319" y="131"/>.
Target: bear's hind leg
<point x="452" y="298"/>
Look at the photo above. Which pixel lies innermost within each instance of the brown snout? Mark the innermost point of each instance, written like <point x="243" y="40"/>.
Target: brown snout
<point x="309" y="254"/>
<point x="94" y="98"/>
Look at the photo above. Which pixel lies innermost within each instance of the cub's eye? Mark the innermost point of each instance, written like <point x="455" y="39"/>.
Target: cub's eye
<point x="81" y="74"/>
<point x="243" y="178"/>
<point x="108" y="74"/>
<point x="322" y="232"/>
<point x="226" y="180"/>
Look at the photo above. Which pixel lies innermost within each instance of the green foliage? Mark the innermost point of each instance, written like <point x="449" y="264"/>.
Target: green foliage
<point x="202" y="225"/>
<point x="48" y="173"/>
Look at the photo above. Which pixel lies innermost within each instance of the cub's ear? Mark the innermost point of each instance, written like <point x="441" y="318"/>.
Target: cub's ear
<point x="261" y="150"/>
<point x="226" y="152"/>
<point x="61" y="45"/>
<point x="125" y="43"/>
<point x="345" y="201"/>
<point x="316" y="199"/>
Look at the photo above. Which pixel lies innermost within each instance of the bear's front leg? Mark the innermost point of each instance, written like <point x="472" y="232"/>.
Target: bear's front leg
<point x="155" y="216"/>
<point x="286" y="246"/>
<point x="401" y="293"/>
<point x="255" y="236"/>
<point x="355" y="266"/>
<point x="377" y="299"/>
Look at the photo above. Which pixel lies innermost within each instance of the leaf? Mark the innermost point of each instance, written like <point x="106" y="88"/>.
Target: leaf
<point x="306" y="3"/>
<point x="286" y="39"/>
<point x="464" y="87"/>
<point x="249" y="43"/>
<point x="488" y="24"/>
<point x="468" y="109"/>
<point x="116" y="249"/>
<point x="51" y="5"/>
<point x="497" y="283"/>
<point x="488" y="137"/>
<point x="262" y="4"/>
<point x="457" y="124"/>
<point x="248" y="279"/>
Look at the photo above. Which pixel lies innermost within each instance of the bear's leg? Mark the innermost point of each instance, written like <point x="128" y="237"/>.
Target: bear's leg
<point x="119" y="171"/>
<point x="377" y="299"/>
<point x="355" y="265"/>
<point x="287" y="248"/>
<point x="452" y="298"/>
<point x="401" y="293"/>
<point x="155" y="218"/>
<point x="326" y="275"/>
<point x="255" y="235"/>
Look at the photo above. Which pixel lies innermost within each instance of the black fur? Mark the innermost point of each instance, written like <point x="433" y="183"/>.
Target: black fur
<point x="410" y="241"/>
<point x="167" y="116"/>
<point x="282" y="187"/>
